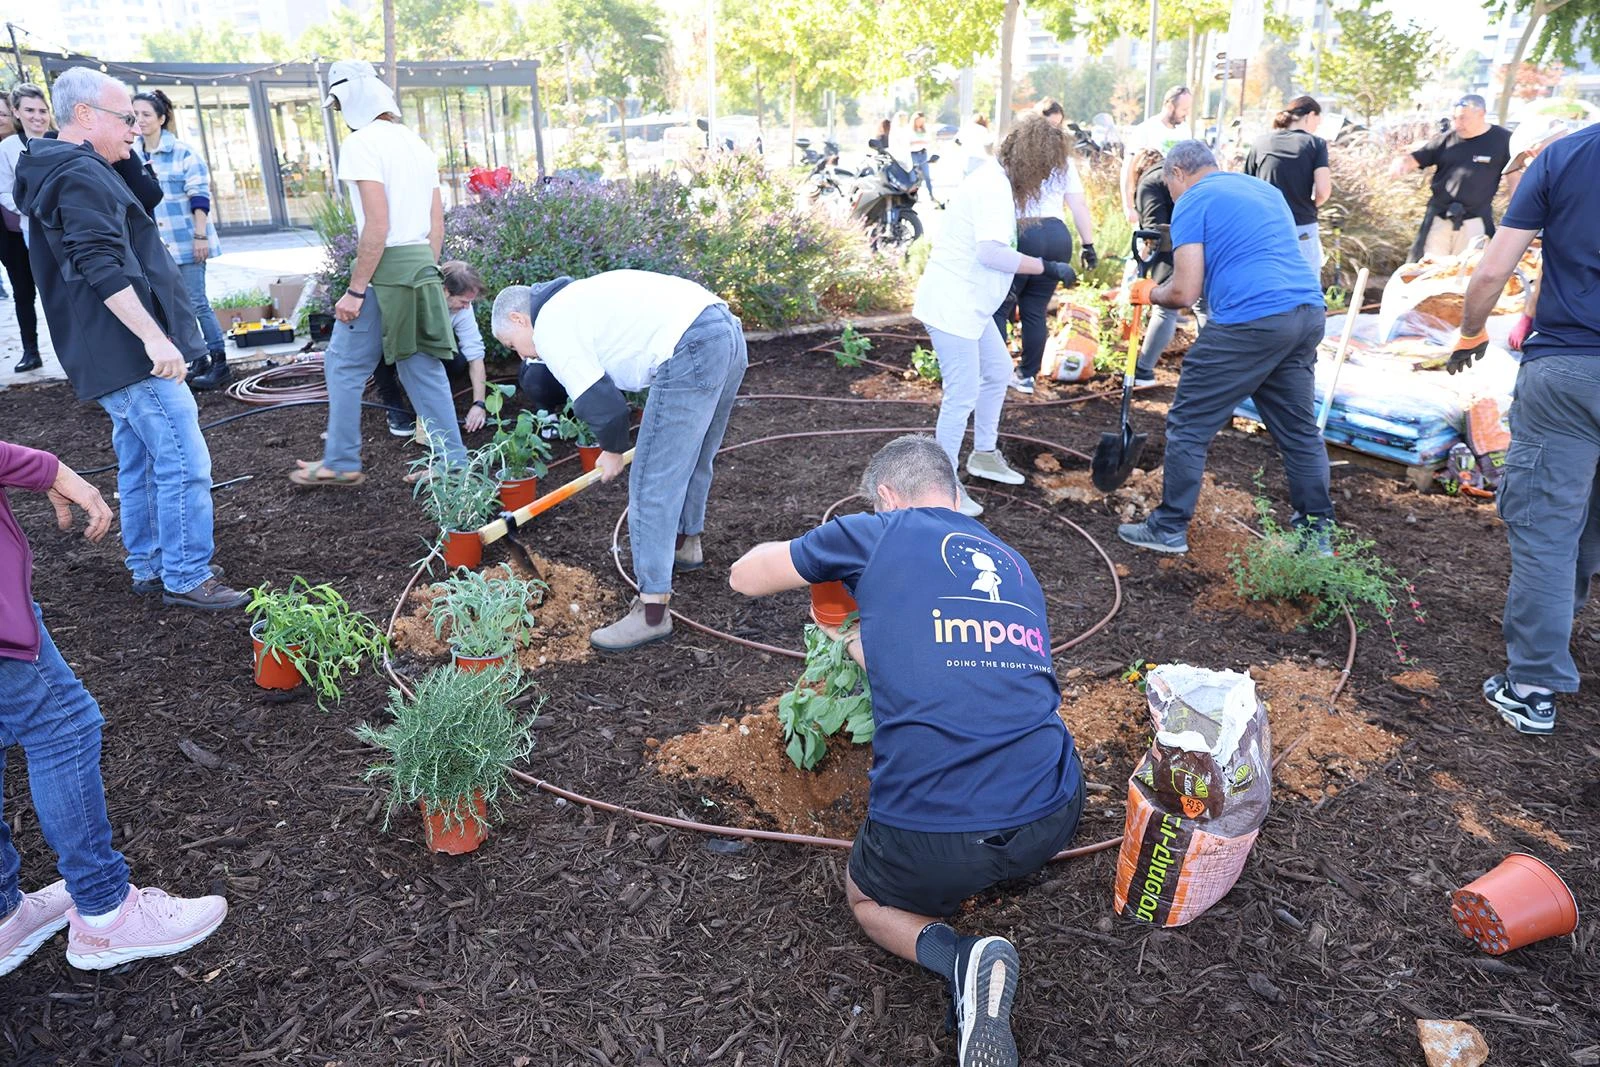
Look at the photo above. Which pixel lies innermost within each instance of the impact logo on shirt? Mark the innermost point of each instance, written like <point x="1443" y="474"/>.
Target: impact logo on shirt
<point x="986" y="572"/>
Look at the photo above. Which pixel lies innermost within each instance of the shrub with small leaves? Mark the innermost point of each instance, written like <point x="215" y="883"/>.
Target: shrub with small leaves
<point x="456" y="496"/>
<point x="831" y="695"/>
<point x="487" y="614"/>
<point x="925" y="364"/>
<point x="853" y="347"/>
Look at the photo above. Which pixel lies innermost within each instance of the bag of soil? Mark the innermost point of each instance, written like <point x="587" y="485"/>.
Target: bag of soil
<point x="1198" y="797"/>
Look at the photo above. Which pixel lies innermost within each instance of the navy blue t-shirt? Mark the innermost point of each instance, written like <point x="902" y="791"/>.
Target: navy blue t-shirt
<point x="1253" y="263"/>
<point x="1558" y="195"/>
<point x="964" y="696"/>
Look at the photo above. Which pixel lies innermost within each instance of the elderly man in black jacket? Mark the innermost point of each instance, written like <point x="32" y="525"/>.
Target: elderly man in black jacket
<point x="120" y="319"/>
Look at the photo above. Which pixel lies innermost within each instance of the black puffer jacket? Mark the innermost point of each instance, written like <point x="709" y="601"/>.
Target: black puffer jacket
<point x="90" y="238"/>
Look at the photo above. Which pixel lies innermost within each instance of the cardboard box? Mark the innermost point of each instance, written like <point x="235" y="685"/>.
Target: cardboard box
<point x="285" y="293"/>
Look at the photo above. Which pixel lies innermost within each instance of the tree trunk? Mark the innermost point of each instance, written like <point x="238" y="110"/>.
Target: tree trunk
<point x="1196" y="73"/>
<point x="622" y="130"/>
<point x="794" y="110"/>
<point x="389" y="48"/>
<point x="1008" y="33"/>
<point x="1535" y="16"/>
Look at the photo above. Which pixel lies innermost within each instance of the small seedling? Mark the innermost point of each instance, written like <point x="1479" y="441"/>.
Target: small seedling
<point x="1137" y="674"/>
<point x="487" y="614"/>
<point x="831" y="695"/>
<point x="925" y="364"/>
<point x="571" y="428"/>
<point x="521" y="442"/>
<point x="853" y="348"/>
<point x="314" y="629"/>
<point x="456" y="496"/>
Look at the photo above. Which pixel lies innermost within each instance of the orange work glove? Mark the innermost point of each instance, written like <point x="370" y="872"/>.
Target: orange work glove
<point x="1467" y="348"/>
<point x="1139" y="292"/>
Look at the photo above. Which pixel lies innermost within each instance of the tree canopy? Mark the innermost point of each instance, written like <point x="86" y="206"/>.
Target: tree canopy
<point x="1380" y="61"/>
<point x="219" y="44"/>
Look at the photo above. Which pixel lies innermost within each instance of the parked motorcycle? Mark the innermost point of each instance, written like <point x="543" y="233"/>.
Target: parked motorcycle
<point x="823" y="178"/>
<point x="882" y="197"/>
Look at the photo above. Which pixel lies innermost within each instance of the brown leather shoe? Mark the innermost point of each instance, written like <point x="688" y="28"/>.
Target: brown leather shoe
<point x="209" y="595"/>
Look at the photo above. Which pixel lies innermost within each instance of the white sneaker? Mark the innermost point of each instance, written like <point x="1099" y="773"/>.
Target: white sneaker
<point x="1022" y="385"/>
<point x="993" y="466"/>
<point x="966" y="505"/>
<point x="149" y="924"/>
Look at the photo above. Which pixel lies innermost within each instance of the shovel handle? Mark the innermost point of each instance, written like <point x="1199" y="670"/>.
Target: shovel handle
<point x="510" y="520"/>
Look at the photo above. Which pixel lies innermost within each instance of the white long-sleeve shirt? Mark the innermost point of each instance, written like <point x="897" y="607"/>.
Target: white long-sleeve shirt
<point x="10" y="150"/>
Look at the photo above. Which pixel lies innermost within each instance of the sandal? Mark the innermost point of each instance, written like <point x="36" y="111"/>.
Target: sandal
<point x="316" y="474"/>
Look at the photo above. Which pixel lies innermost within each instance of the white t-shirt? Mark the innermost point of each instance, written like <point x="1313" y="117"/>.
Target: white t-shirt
<point x="1154" y="132"/>
<point x="388" y="152"/>
<point x="957" y="293"/>
<point x="622" y="323"/>
<point x="1050" y="203"/>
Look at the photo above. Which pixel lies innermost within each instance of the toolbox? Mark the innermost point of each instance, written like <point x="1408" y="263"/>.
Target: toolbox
<point x="264" y="332"/>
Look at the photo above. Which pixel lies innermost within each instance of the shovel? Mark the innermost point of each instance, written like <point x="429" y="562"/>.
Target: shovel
<point x="1117" y="453"/>
<point x="508" y="522"/>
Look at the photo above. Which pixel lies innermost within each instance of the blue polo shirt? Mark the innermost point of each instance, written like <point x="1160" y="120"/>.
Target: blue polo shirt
<point x="1253" y="263"/>
<point x="964" y="698"/>
<point x="1559" y="195"/>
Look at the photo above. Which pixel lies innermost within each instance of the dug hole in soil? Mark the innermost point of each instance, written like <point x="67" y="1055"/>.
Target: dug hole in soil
<point x="576" y="937"/>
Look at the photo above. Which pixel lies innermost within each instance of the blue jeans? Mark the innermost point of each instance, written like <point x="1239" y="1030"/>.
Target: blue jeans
<point x="919" y="163"/>
<point x="1158" y="331"/>
<point x="1308" y="242"/>
<point x="194" y="276"/>
<point x="46" y="710"/>
<point x="164" y="477"/>
<point x="691" y="398"/>
<point x="1549" y="500"/>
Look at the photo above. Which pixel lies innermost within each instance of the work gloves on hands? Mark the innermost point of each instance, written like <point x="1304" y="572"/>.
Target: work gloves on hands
<point x="1090" y="258"/>
<point x="1519" y="333"/>
<point x="1468" y="348"/>
<point x="1139" y="292"/>
<point x="1061" y="272"/>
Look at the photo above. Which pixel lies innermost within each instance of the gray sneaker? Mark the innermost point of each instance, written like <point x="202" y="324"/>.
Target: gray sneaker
<point x="966" y="505"/>
<point x="689" y="556"/>
<point x="1022" y="385"/>
<point x="1140" y="535"/>
<point x="209" y="595"/>
<point x="631" y="631"/>
<point x="993" y="466"/>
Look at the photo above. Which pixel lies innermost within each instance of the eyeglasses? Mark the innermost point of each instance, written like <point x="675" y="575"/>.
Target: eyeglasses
<point x="128" y="118"/>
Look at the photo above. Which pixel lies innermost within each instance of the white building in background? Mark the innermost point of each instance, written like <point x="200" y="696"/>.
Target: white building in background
<point x="115" y="29"/>
<point x="1500" y="45"/>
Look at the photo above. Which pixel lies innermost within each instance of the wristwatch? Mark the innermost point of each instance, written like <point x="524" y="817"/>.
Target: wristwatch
<point x="362" y="295"/>
<point x="480" y="404"/>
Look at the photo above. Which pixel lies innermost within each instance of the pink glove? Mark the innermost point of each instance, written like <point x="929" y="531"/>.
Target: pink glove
<point x="1519" y="332"/>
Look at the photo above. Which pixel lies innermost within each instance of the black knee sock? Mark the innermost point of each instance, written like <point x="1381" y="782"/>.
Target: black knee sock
<point x="936" y="949"/>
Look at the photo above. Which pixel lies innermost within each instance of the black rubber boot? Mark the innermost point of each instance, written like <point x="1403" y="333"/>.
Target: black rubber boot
<point x="215" y="376"/>
<point x="30" y="361"/>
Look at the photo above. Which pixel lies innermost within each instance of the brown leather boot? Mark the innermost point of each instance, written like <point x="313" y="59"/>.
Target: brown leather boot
<point x="209" y="595"/>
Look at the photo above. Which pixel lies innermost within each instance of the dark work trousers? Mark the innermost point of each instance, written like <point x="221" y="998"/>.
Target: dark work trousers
<point x="1047" y="239"/>
<point x="1549" y="499"/>
<point x="14" y="254"/>
<point x="386" y="382"/>
<point x="1272" y="360"/>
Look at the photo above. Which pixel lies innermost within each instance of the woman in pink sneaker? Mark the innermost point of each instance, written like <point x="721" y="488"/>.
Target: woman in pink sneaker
<point x="45" y="709"/>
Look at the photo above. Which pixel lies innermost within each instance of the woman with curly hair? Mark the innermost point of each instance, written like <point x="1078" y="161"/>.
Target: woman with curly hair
<point x="967" y="277"/>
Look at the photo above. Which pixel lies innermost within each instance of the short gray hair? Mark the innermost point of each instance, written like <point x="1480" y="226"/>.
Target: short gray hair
<point x="913" y="465"/>
<point x="80" y="85"/>
<point x="518" y="298"/>
<point x="25" y="91"/>
<point x="1187" y="156"/>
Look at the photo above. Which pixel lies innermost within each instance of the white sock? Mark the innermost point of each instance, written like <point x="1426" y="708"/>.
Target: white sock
<point x="1523" y="692"/>
<point x="100" y="922"/>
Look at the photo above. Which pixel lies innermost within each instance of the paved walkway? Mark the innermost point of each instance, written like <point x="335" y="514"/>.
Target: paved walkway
<point x="247" y="262"/>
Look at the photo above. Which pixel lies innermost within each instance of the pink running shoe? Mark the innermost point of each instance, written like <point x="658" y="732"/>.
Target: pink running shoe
<point x="149" y="924"/>
<point x="36" y="920"/>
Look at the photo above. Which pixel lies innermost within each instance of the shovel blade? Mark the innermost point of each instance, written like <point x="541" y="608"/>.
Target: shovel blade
<point x="1115" y="458"/>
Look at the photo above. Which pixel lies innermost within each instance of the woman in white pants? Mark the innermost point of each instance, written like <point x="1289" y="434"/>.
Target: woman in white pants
<point x="968" y="275"/>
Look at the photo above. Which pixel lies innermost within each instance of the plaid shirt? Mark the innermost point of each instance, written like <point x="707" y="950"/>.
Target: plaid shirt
<point x="183" y="174"/>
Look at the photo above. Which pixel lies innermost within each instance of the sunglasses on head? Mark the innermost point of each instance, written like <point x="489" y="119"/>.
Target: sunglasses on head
<point x="128" y="118"/>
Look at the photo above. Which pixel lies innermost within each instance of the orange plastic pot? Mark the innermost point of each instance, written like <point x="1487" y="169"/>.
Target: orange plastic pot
<point x="474" y="664"/>
<point x="274" y="670"/>
<point x="462" y="548"/>
<point x="588" y="456"/>
<point x="831" y="604"/>
<point x="517" y="492"/>
<point x="460" y="836"/>
<point x="1519" y="902"/>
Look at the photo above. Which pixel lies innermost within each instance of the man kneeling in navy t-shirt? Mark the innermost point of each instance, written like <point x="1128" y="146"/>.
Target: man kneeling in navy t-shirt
<point x="974" y="777"/>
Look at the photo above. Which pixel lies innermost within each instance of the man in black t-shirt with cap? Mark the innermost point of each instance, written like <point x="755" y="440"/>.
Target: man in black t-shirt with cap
<point x="1467" y="161"/>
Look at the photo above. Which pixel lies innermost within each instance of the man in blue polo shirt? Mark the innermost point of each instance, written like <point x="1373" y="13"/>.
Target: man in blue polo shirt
<point x="975" y="779"/>
<point x="1549" y="496"/>
<point x="1233" y="242"/>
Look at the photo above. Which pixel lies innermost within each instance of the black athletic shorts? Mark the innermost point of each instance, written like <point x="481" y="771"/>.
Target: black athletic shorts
<point x="931" y="874"/>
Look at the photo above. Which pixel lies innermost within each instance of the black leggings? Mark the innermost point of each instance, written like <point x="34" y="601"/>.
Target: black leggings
<point x="14" y="254"/>
<point x="1047" y="239"/>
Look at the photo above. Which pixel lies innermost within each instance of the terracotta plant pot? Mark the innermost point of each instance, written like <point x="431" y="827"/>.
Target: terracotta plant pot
<point x="831" y="603"/>
<point x="462" y="548"/>
<point x="1519" y="902"/>
<point x="474" y="664"/>
<point x="274" y="670"/>
<point x="588" y="456"/>
<point x="461" y="837"/>
<point x="517" y="492"/>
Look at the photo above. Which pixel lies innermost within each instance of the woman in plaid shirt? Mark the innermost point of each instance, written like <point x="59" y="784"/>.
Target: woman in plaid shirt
<point x="184" y="219"/>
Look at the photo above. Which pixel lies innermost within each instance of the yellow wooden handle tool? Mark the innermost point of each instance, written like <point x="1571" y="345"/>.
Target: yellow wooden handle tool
<point x="509" y="521"/>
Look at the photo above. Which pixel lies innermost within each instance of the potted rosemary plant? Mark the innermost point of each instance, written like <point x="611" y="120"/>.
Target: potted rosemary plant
<point x="488" y="615"/>
<point x="520" y="443"/>
<point x="309" y="632"/>
<point x="449" y="747"/>
<point x="458" y="497"/>
<point x="571" y="428"/>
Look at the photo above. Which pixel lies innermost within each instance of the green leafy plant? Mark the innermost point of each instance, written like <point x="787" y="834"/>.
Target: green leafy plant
<point x="520" y="443"/>
<point x="1292" y="565"/>
<point x="1137" y="673"/>
<point x="314" y="628"/>
<point x="571" y="428"/>
<point x="853" y="348"/>
<point x="250" y="298"/>
<point x="831" y="695"/>
<point x="456" y="496"/>
<point x="925" y="364"/>
<point x="487" y="614"/>
<point x="453" y="739"/>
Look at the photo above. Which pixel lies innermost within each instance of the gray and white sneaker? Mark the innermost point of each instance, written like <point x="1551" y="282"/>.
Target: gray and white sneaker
<point x="986" y="984"/>
<point x="1022" y="385"/>
<point x="1140" y="535"/>
<point x="1532" y="714"/>
<point x="993" y="466"/>
<point x="966" y="505"/>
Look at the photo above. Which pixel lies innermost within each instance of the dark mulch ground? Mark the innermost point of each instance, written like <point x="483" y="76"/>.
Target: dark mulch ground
<point x="580" y="938"/>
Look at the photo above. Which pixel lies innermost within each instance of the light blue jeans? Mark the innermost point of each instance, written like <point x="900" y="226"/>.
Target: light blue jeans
<point x="976" y="374"/>
<point x="354" y="351"/>
<point x="194" y="276"/>
<point x="45" y="709"/>
<point x="1163" y="323"/>
<point x="164" y="478"/>
<point x="685" y="418"/>
<point x="1309" y="241"/>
